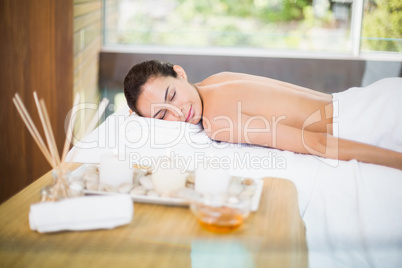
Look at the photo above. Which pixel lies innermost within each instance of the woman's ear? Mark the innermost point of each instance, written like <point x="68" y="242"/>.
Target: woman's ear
<point x="180" y="71"/>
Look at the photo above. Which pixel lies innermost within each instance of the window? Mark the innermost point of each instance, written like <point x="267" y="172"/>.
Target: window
<point x="328" y="26"/>
<point x="382" y="26"/>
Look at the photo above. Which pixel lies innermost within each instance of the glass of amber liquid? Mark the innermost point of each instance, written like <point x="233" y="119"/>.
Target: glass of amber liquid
<point x="221" y="213"/>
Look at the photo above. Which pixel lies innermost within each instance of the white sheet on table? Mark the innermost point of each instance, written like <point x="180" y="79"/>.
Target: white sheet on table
<point x="354" y="218"/>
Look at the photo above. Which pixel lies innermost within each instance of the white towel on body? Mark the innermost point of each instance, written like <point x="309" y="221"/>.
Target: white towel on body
<point x="371" y="114"/>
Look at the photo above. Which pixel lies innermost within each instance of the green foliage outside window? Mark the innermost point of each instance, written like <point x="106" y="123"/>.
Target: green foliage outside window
<point x="265" y="10"/>
<point x="272" y="24"/>
<point x="269" y="24"/>
<point x="382" y="25"/>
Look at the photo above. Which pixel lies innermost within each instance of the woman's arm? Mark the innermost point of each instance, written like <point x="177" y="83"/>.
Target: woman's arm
<point x="347" y="150"/>
<point x="258" y="131"/>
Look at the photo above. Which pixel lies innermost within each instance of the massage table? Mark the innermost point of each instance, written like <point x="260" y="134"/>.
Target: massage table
<point x="352" y="210"/>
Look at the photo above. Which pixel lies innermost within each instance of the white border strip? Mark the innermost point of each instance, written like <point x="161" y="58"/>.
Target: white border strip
<point x="250" y="52"/>
<point x="357" y="18"/>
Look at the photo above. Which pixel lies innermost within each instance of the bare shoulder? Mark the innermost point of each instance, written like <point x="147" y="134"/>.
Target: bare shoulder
<point x="223" y="77"/>
<point x="220" y="104"/>
<point x="234" y="79"/>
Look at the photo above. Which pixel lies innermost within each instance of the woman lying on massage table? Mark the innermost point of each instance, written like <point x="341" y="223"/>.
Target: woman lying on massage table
<point x="242" y="108"/>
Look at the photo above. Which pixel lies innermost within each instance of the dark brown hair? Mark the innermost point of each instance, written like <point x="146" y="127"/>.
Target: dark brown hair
<point x="139" y="74"/>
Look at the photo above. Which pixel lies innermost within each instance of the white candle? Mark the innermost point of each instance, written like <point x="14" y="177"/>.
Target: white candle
<point x="113" y="171"/>
<point x="209" y="180"/>
<point x="168" y="178"/>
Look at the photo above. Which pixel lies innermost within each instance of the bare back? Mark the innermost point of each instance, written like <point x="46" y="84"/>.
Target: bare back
<point x="226" y="93"/>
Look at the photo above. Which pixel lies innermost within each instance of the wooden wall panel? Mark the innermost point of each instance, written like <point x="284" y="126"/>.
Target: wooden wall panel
<point x="36" y="52"/>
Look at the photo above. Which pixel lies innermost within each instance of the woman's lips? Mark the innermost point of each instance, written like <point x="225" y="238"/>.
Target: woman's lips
<point x="189" y="115"/>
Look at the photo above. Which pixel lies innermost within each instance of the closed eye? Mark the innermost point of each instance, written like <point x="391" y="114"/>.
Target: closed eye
<point x="163" y="114"/>
<point x="174" y="94"/>
<point x="164" y="111"/>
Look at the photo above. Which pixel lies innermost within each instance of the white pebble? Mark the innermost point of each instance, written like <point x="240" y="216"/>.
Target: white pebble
<point x="125" y="188"/>
<point x="191" y="177"/>
<point x="92" y="186"/>
<point x="146" y="182"/>
<point x="186" y="193"/>
<point x="248" y="182"/>
<point x="91" y="177"/>
<point x="167" y="194"/>
<point x="190" y="185"/>
<point x="78" y="182"/>
<point x="251" y="188"/>
<point x="76" y="189"/>
<point x="248" y="192"/>
<point x="76" y="178"/>
<point x="153" y="193"/>
<point x="137" y="174"/>
<point x="92" y="169"/>
<point x="139" y="190"/>
<point x="107" y="188"/>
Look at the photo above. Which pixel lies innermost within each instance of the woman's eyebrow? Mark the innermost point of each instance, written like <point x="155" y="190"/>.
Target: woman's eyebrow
<point x="166" y="93"/>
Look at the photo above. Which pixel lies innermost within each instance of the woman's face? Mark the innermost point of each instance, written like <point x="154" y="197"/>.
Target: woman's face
<point x="172" y="99"/>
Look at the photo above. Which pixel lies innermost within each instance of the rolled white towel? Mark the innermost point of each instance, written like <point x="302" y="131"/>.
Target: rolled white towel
<point x="81" y="213"/>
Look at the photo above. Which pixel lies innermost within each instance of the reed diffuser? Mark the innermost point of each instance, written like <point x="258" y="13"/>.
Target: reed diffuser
<point x="60" y="188"/>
